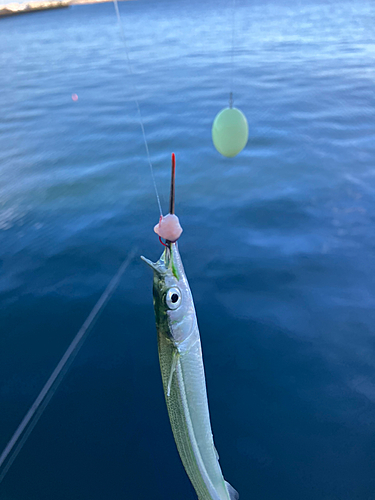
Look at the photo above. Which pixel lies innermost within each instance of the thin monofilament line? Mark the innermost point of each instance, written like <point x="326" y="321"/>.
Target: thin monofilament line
<point x="36" y="410"/>
<point x="122" y="32"/>
<point x="232" y="56"/>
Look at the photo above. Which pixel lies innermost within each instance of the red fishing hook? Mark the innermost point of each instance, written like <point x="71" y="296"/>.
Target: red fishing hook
<point x="163" y="242"/>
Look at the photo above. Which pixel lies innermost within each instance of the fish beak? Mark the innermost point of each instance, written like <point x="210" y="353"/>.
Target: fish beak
<point x="153" y="265"/>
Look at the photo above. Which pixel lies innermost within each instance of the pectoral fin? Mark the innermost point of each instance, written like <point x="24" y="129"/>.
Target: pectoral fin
<point x="173" y="369"/>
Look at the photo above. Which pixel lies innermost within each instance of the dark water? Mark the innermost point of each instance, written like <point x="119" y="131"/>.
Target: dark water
<point x="278" y="244"/>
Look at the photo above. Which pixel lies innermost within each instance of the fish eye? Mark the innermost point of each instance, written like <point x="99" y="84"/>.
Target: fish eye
<point x="173" y="298"/>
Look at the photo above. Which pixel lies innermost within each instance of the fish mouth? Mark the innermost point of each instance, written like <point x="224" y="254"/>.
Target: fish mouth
<point x="150" y="263"/>
<point x="166" y="264"/>
<point x="158" y="267"/>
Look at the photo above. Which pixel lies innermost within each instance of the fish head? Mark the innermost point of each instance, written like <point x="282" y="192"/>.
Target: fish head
<point x="173" y="303"/>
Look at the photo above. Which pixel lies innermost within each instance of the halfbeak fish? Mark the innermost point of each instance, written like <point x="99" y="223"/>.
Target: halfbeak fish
<point x="182" y="370"/>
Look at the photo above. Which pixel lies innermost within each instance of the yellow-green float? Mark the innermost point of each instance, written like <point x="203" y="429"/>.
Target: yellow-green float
<point x="230" y="132"/>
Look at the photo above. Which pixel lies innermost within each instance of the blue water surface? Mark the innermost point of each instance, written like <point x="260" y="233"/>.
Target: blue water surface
<point x="278" y="243"/>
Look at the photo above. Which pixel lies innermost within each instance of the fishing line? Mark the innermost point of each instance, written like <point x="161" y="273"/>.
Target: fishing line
<point x="232" y="56"/>
<point x="37" y="408"/>
<point x="135" y="93"/>
<point x="230" y="130"/>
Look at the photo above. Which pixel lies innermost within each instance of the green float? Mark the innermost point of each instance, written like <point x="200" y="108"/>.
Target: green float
<point x="230" y="132"/>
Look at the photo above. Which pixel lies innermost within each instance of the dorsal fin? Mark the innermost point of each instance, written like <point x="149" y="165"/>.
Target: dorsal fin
<point x="233" y="494"/>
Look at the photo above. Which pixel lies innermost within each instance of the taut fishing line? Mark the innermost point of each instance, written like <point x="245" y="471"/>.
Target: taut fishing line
<point x="122" y="32"/>
<point x="230" y="131"/>
<point x="36" y="410"/>
<point x="232" y="56"/>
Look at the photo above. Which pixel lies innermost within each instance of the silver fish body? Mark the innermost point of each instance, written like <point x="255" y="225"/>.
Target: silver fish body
<point x="184" y="384"/>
